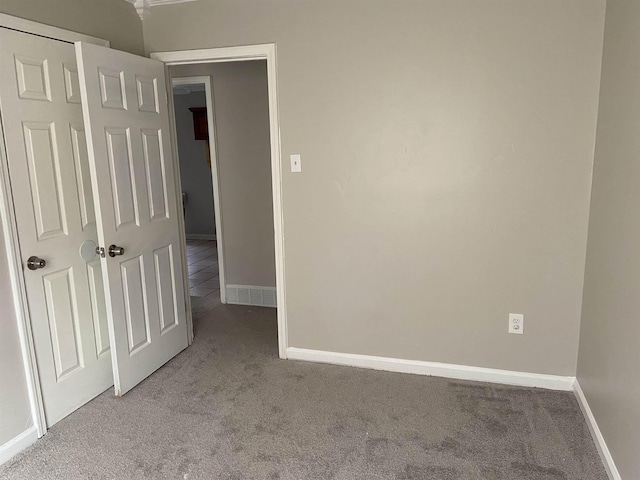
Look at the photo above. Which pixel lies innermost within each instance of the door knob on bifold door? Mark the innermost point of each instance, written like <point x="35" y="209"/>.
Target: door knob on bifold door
<point x="115" y="250"/>
<point x="34" y="263"/>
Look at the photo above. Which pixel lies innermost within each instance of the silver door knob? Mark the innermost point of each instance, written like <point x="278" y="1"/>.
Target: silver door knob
<point x="115" y="250"/>
<point x="34" y="263"/>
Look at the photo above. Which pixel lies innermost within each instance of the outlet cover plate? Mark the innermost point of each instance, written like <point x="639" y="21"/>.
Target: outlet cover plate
<point x="516" y="323"/>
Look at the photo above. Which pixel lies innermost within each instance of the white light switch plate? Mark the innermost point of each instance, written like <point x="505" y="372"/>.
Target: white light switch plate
<point x="296" y="164"/>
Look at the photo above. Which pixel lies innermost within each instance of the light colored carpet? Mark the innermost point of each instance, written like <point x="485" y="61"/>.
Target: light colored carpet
<point x="227" y="408"/>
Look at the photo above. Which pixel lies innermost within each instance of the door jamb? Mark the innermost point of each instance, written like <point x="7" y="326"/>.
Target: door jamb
<point x="10" y="228"/>
<point x="215" y="170"/>
<point x="237" y="54"/>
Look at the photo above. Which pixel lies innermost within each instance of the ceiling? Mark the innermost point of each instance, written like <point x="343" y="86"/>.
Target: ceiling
<point x="187" y="89"/>
<point x="143" y="7"/>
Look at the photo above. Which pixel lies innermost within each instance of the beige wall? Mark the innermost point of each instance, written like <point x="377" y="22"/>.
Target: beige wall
<point x="195" y="172"/>
<point x="113" y="20"/>
<point x="15" y="411"/>
<point x="447" y="151"/>
<point x="244" y="156"/>
<point x="609" y="362"/>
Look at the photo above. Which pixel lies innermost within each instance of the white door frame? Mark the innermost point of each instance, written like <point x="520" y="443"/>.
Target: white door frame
<point x="238" y="54"/>
<point x="215" y="171"/>
<point x="10" y="228"/>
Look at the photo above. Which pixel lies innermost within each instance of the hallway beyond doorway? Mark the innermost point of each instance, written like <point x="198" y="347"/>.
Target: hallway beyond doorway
<point x="202" y="258"/>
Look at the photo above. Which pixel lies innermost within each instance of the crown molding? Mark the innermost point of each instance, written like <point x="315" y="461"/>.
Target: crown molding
<point x="143" y="7"/>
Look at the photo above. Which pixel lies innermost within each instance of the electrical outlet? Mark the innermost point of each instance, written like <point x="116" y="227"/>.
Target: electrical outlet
<point x="516" y="323"/>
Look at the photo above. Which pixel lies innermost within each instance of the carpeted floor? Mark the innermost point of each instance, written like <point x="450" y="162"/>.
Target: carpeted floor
<point x="227" y="408"/>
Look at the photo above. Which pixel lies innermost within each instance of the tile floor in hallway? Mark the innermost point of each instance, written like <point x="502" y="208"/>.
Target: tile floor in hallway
<point x="202" y="259"/>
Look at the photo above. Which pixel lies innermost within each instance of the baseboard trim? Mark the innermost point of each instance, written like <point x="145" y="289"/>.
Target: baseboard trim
<point x="200" y="236"/>
<point x="598" y="438"/>
<point x="17" y="444"/>
<point x="251" y="295"/>
<point x="418" y="367"/>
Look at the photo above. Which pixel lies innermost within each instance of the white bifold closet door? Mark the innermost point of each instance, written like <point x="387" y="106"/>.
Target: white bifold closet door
<point x="126" y="120"/>
<point x="53" y="203"/>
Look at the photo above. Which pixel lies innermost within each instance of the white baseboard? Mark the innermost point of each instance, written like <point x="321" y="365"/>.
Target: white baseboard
<point x="17" y="444"/>
<point x="200" y="236"/>
<point x="251" y="295"/>
<point x="598" y="439"/>
<point x="459" y="372"/>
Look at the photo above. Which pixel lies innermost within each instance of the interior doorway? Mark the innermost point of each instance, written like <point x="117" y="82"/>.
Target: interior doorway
<point x="198" y="165"/>
<point x="224" y="143"/>
<point x="243" y="54"/>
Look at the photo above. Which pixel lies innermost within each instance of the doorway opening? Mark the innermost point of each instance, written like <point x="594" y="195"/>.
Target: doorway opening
<point x="228" y="147"/>
<point x="198" y="166"/>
